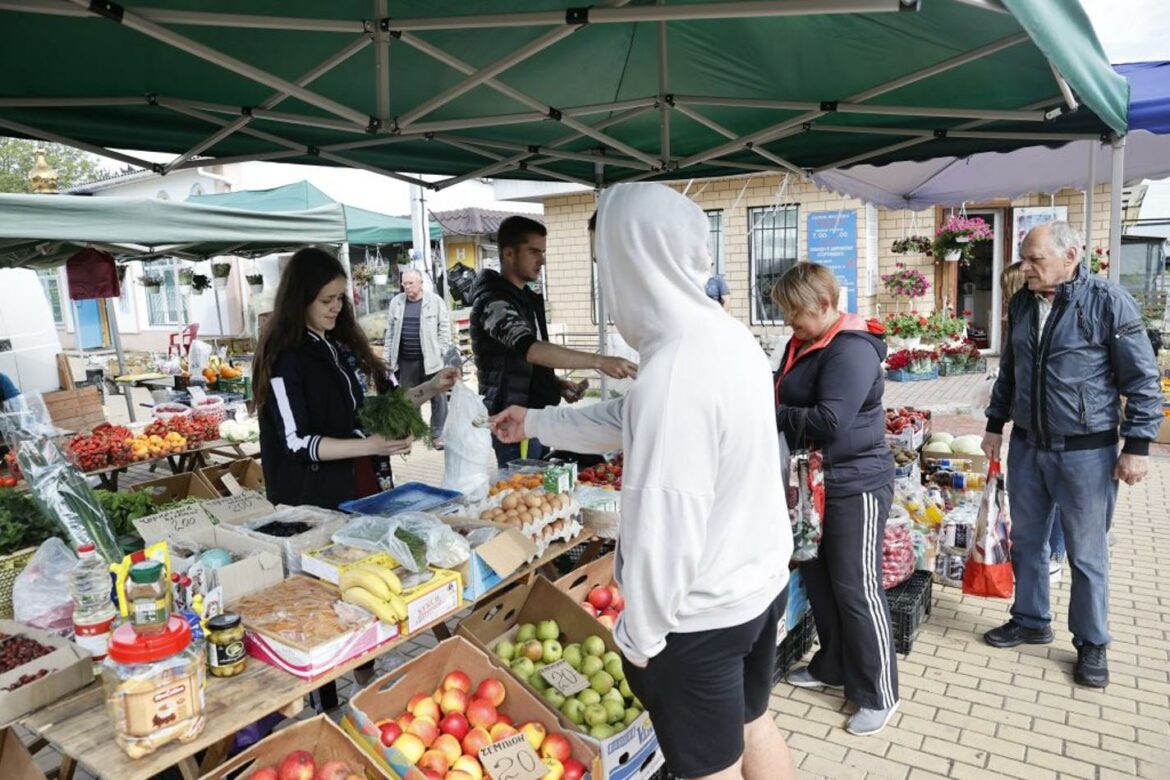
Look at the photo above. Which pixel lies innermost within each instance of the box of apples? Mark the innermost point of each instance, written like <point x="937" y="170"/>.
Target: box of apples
<point x="536" y="626"/>
<point x="593" y="587"/>
<point x="430" y="718"/>
<point x="315" y="749"/>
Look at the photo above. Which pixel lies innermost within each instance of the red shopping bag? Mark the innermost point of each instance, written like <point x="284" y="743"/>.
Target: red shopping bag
<point x="989" y="560"/>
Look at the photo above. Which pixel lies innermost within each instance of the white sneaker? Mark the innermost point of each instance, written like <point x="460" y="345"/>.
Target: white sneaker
<point x="866" y="721"/>
<point x="1055" y="571"/>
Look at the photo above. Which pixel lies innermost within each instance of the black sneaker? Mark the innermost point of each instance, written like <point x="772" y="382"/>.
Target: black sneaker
<point x="1012" y="633"/>
<point x="1091" y="669"/>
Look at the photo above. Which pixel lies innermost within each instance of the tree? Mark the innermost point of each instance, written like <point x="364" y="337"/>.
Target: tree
<point x="18" y="156"/>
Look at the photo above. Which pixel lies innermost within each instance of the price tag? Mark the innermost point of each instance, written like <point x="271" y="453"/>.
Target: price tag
<point x="234" y="510"/>
<point x="564" y="678"/>
<point x="232" y="484"/>
<point x="165" y="525"/>
<point x="512" y="759"/>
<point x="196" y="394"/>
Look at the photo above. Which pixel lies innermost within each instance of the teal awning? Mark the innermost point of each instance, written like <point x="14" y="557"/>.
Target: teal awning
<point x="362" y="227"/>
<point x="553" y="89"/>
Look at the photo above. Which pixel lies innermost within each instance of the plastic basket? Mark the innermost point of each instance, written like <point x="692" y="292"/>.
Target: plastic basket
<point x="10" y="568"/>
<point x="795" y="646"/>
<point x="168" y="410"/>
<point x="946" y="368"/>
<point x="908" y="376"/>
<point x="909" y="606"/>
<point x="211" y="408"/>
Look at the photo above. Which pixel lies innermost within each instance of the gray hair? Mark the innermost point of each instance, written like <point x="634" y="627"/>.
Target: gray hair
<point x="1063" y="236"/>
<point x="411" y="272"/>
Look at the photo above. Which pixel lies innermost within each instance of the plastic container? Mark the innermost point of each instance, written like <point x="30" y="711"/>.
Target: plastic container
<point x="154" y="687"/>
<point x="211" y="408"/>
<point x="166" y="411"/>
<point x="93" y="610"/>
<point x="148" y="599"/>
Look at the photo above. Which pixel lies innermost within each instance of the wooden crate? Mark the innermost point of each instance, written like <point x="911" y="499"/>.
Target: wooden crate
<point x="75" y="410"/>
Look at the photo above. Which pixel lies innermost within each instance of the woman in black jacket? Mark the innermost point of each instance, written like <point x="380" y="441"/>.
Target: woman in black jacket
<point x="829" y="396"/>
<point x="313" y="365"/>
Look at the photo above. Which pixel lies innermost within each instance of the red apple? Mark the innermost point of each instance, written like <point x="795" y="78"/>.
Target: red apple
<point x="333" y="770"/>
<point x="414" y="700"/>
<point x="456" y="725"/>
<point x="454" y="700"/>
<point x="556" y="746"/>
<point x="585" y="605"/>
<point x="390" y="732"/>
<point x="436" y="760"/>
<point x="506" y="719"/>
<point x="600" y="597"/>
<point x="297" y="765"/>
<point x="425" y="729"/>
<point x="611" y="613"/>
<point x="618" y="601"/>
<point x="482" y="712"/>
<point x="470" y="766"/>
<point x="411" y="747"/>
<point x="574" y="769"/>
<point x="555" y="769"/>
<point x="404" y="721"/>
<point x="457" y="680"/>
<point x="427" y="708"/>
<point x="502" y="731"/>
<point x="476" y="739"/>
<point x="535" y="733"/>
<point x="267" y="773"/>
<point x="431" y="774"/>
<point x="449" y="746"/>
<point x="491" y="689"/>
<point x="607" y="621"/>
<point x="457" y="775"/>
<point x="437" y="696"/>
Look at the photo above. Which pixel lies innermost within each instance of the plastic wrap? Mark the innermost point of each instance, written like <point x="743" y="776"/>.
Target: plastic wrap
<point x="898" y="558"/>
<point x="445" y="548"/>
<point x="322" y="523"/>
<point x="40" y="595"/>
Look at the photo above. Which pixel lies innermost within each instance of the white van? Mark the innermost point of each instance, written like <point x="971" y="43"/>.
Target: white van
<point x="28" y="338"/>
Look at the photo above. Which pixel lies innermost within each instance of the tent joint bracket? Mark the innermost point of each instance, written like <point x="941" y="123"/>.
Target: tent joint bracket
<point x="829" y="106"/>
<point x="554" y="114"/>
<point x="940" y="133"/>
<point x="577" y="17"/>
<point x="374" y="125"/>
<point x="152" y="99"/>
<point x="246" y="111"/>
<point x="110" y="10"/>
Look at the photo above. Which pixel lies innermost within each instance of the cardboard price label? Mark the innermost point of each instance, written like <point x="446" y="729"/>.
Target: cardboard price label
<point x="196" y="394"/>
<point x="233" y="486"/>
<point x="165" y="525"/>
<point x="237" y="509"/>
<point x="564" y="678"/>
<point x="512" y="759"/>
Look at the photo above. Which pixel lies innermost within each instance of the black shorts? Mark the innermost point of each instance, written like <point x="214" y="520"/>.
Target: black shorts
<point x="705" y="686"/>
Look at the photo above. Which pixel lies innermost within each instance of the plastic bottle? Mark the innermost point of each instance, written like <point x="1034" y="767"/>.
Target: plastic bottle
<point x="93" y="611"/>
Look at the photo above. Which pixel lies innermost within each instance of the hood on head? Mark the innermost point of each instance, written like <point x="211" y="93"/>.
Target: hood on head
<point x="652" y="261"/>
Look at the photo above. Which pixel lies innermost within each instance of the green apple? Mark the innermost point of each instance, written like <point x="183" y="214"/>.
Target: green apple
<point x="547" y="629"/>
<point x="538" y="682"/>
<point x="595" y="714"/>
<point x="523" y="667"/>
<point x="632" y="714"/>
<point x="614" y="695"/>
<point x="552" y="651"/>
<point x="573" y="656"/>
<point x="602" y="682"/>
<point x="611" y="656"/>
<point x="594" y="645"/>
<point x="532" y="649"/>
<point x="591" y="665"/>
<point x="615" y="710"/>
<point x="527" y="631"/>
<point x="614" y="667"/>
<point x="601" y="731"/>
<point x="571" y="709"/>
<point x="555" y="698"/>
<point x="539" y="665"/>
<point x="624" y="688"/>
<point x="506" y="650"/>
<point x="589" y="696"/>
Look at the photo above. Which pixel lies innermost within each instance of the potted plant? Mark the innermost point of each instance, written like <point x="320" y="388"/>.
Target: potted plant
<point x="185" y="277"/>
<point x="905" y="330"/>
<point x="121" y="273"/>
<point x="905" y="282"/>
<point x="362" y="275"/>
<point x="151" y="280"/>
<point x="220" y="273"/>
<point x="955" y="240"/>
<point x="256" y="282"/>
<point x="922" y="361"/>
<point x="913" y="245"/>
<point x="380" y="272"/>
<point x="942" y="327"/>
<point x="1099" y="260"/>
<point x="199" y="283"/>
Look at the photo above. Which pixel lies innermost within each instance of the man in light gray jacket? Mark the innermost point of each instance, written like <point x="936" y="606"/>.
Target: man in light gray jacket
<point x="418" y="335"/>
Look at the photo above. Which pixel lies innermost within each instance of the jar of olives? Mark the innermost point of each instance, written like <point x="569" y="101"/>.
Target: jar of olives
<point x="225" y="645"/>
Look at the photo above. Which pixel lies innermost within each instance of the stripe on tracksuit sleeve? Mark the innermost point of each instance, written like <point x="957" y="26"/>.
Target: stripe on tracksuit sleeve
<point x="297" y="444"/>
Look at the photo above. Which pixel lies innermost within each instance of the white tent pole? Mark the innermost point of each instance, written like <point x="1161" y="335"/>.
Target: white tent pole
<point x="1118" y="183"/>
<point x="382" y="63"/>
<point x="942" y="132"/>
<point x="1089" y="186"/>
<point x="343" y="257"/>
<point x="864" y="108"/>
<point x="726" y="133"/>
<point x="45" y="135"/>
<point x="112" y="315"/>
<point x="663" y="90"/>
<point x="493" y="156"/>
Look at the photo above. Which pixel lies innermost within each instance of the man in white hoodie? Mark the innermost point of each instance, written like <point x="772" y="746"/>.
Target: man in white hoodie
<point x="704" y="541"/>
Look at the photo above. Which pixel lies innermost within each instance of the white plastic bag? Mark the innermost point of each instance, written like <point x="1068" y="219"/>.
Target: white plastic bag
<point x="40" y="595"/>
<point x="445" y="548"/>
<point x="198" y="356"/>
<point x="468" y="458"/>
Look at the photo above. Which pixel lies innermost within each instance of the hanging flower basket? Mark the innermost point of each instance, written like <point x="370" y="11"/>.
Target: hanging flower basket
<point x="220" y="273"/>
<point x="220" y="282"/>
<point x="151" y="281"/>
<point x="953" y="255"/>
<point x="199" y="283"/>
<point x="381" y="280"/>
<point x="256" y="283"/>
<point x="955" y="240"/>
<point x="913" y="245"/>
<point x="184" y="289"/>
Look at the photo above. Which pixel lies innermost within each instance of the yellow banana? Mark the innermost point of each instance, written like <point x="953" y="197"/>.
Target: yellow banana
<point x="399" y="606"/>
<point x="363" y="598"/>
<point x="384" y="574"/>
<point x="356" y="577"/>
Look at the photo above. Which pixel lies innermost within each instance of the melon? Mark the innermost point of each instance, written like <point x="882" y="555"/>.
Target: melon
<point x="967" y="445"/>
<point x="942" y="436"/>
<point x="937" y="446"/>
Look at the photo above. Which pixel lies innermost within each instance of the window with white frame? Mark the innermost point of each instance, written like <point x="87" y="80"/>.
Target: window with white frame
<point x="166" y="305"/>
<point x="772" y="250"/>
<point x="51" y="282"/>
<point x="715" y="238"/>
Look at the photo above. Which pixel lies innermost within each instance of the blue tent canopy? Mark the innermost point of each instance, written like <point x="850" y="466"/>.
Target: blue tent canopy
<point x="1149" y="95"/>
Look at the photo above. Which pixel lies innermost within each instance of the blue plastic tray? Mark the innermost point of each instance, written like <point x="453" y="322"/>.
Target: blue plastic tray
<point x="409" y="497"/>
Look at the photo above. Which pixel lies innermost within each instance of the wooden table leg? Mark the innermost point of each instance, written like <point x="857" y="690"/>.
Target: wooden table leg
<point x="214" y="756"/>
<point x="68" y="767"/>
<point x="188" y="768"/>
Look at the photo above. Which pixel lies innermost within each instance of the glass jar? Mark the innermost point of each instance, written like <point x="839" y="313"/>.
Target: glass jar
<point x="225" y="645"/>
<point x="154" y="687"/>
<point x="147" y="598"/>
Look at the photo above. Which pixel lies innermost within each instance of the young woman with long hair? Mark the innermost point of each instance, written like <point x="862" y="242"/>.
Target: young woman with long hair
<point x="312" y="367"/>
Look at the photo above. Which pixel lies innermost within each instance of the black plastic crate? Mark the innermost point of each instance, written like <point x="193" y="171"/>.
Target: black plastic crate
<point x="909" y="605"/>
<point x="795" y="644"/>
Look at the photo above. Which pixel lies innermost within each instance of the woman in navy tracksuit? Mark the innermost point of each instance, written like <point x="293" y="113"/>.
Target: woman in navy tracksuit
<point x="829" y="392"/>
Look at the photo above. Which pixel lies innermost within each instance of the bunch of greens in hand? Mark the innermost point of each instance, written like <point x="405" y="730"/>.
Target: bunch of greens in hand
<point x="393" y="415"/>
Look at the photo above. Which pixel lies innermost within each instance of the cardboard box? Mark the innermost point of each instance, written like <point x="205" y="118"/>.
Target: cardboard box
<point x="235" y="477"/>
<point x="577" y="583"/>
<point x="319" y="736"/>
<point x="259" y="565"/>
<point x="493" y="561"/>
<point x="631" y="754"/>
<point x="73" y="665"/>
<point x="301" y="659"/>
<point x="18" y="764"/>
<point x="388" y="696"/>
<point x="439" y="597"/>
<point x="327" y="563"/>
<point x="166" y="490"/>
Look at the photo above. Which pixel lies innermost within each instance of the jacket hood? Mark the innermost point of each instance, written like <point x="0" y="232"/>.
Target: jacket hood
<point x="492" y="281"/>
<point x="849" y="326"/>
<point x="652" y="261"/>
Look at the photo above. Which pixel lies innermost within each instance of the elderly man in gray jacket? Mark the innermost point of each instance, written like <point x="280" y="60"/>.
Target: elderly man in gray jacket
<point x="418" y="335"/>
<point x="1075" y="345"/>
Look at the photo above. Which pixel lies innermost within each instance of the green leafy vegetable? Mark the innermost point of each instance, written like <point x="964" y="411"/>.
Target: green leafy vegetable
<point x="122" y="509"/>
<point x="21" y="522"/>
<point x="416" y="544"/>
<point x="393" y="415"/>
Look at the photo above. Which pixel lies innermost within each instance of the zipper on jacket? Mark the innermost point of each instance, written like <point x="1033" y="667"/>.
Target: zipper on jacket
<point x="1084" y="406"/>
<point x="1045" y="343"/>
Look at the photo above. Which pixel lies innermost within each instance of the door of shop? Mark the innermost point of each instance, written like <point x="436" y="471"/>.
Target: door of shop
<point x="978" y="296"/>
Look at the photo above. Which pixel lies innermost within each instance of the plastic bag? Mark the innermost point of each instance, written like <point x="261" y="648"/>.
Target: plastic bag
<point x="379" y="534"/>
<point x="445" y="547"/>
<point x="988" y="570"/>
<point x="40" y="595"/>
<point x="898" y="558"/>
<point x="468" y="457"/>
<point x="198" y="357"/>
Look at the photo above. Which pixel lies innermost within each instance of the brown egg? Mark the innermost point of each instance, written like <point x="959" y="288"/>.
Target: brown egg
<point x="532" y="501"/>
<point x="509" y="502"/>
<point x="525" y="517"/>
<point x="486" y="515"/>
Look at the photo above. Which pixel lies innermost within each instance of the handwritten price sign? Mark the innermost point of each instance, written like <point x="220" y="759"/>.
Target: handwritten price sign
<point x="564" y="678"/>
<point x="166" y="525"/>
<point x="512" y="759"/>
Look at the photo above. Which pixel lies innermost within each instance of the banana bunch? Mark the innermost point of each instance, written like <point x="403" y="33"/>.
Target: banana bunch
<point x="376" y="589"/>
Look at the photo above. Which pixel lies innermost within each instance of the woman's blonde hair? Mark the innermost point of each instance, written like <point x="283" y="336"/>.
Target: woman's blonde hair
<point x="805" y="287"/>
<point x="1011" y="281"/>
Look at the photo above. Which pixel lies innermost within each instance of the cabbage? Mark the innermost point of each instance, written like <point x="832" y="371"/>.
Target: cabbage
<point x="942" y="436"/>
<point x="968" y="445"/>
<point x="937" y="446"/>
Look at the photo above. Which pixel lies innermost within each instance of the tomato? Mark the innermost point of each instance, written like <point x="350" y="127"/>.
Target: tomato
<point x="7" y="482"/>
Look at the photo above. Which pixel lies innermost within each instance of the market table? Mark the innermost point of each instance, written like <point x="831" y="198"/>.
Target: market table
<point x="180" y="463"/>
